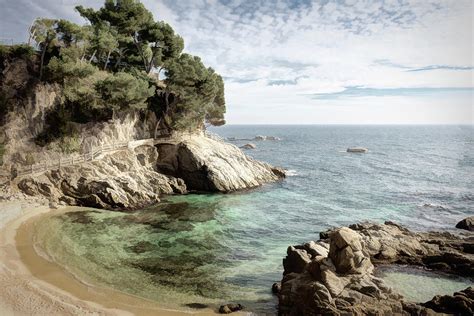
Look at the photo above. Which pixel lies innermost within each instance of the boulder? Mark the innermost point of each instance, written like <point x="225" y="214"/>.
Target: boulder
<point x="346" y="252"/>
<point x="276" y="287"/>
<point x="460" y="303"/>
<point x="230" y="308"/>
<point x="467" y="223"/>
<point x="260" y="137"/>
<point x="317" y="249"/>
<point x="296" y="260"/>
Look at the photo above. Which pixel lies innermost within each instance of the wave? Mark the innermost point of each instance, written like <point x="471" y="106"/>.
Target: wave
<point x="291" y="173"/>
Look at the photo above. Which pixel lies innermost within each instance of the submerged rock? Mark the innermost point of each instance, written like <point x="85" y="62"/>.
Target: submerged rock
<point x="341" y="280"/>
<point x="230" y="308"/>
<point x="467" y="223"/>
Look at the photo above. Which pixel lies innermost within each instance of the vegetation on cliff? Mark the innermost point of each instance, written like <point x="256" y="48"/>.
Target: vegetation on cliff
<point x="113" y="64"/>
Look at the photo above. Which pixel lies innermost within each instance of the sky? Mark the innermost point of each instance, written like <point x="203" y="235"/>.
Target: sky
<point x="315" y="62"/>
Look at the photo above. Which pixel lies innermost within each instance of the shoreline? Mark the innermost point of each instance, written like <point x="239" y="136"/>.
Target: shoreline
<point x="33" y="285"/>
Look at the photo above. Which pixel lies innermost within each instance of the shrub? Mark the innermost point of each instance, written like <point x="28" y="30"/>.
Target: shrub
<point x="16" y="51"/>
<point x="2" y="151"/>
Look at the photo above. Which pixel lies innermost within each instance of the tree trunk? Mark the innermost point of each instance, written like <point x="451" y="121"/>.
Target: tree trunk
<point x="92" y="57"/>
<point x="43" y="53"/>
<point x="158" y="75"/>
<point x="140" y="52"/>
<point x="107" y="60"/>
<point x="156" y="128"/>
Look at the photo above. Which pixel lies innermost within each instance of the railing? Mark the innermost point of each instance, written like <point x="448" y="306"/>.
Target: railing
<point x="213" y="136"/>
<point x="91" y="155"/>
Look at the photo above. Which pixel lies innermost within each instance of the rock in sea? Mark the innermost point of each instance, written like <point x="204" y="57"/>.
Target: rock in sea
<point x="230" y="308"/>
<point x="360" y="150"/>
<point x="249" y="146"/>
<point x="467" y="224"/>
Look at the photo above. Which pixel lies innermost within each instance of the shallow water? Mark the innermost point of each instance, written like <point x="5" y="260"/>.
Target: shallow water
<point x="418" y="285"/>
<point x="215" y="248"/>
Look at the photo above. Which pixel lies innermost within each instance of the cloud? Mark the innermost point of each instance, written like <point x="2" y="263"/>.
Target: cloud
<point x="279" y="54"/>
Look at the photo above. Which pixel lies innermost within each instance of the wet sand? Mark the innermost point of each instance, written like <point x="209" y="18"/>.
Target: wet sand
<point x="32" y="285"/>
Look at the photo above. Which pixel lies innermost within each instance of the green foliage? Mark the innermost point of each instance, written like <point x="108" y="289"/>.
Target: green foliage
<point x="122" y="90"/>
<point x="61" y="71"/>
<point x="198" y="90"/>
<point x="29" y="158"/>
<point x="114" y="64"/>
<point x="58" y="124"/>
<point x="67" y="144"/>
<point x="16" y="51"/>
<point x="2" y="151"/>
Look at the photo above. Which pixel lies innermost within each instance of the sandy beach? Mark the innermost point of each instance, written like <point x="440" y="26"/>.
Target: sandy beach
<point x="31" y="285"/>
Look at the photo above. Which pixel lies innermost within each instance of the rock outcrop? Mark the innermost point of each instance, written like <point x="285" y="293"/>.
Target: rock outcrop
<point x="335" y="275"/>
<point x="126" y="179"/>
<point x="211" y="165"/>
<point x="134" y="178"/>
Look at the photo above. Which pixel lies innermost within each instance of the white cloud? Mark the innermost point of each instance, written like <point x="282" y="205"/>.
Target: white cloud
<point x="318" y="48"/>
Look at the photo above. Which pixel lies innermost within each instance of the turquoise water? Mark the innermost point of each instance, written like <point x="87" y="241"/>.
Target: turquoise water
<point x="418" y="285"/>
<point x="212" y="249"/>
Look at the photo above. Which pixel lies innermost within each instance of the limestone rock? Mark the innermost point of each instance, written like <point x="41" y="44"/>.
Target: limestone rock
<point x="123" y="180"/>
<point x="210" y="165"/>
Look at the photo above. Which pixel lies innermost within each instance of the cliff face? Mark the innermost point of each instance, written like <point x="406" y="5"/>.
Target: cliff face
<point x="125" y="178"/>
<point x="207" y="164"/>
<point x="134" y="178"/>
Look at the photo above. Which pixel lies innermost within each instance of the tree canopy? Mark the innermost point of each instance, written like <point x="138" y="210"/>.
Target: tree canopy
<point x="113" y="63"/>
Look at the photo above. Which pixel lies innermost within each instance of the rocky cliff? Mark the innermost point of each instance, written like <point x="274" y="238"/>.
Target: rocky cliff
<point x="125" y="178"/>
<point x="133" y="178"/>
<point x="206" y="164"/>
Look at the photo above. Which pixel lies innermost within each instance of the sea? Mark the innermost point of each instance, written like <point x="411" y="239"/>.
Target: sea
<point x="210" y="249"/>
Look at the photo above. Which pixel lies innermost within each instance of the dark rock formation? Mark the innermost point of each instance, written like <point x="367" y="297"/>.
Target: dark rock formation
<point x="467" y="223"/>
<point x="334" y="276"/>
<point x="460" y="303"/>
<point x="249" y="146"/>
<point x="230" y="308"/>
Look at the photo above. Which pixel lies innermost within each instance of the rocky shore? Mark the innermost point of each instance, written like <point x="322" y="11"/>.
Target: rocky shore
<point x="335" y="275"/>
<point x="134" y="178"/>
